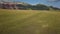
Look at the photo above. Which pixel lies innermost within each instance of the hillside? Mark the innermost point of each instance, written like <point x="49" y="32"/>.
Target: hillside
<point x="29" y="22"/>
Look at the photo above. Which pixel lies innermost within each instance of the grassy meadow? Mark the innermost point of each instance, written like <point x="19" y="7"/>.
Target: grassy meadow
<point x="29" y="22"/>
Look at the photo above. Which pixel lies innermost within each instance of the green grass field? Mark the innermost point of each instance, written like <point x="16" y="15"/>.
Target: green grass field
<point x="29" y="22"/>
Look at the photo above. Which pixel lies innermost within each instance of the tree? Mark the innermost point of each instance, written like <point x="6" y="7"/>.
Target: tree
<point x="42" y="7"/>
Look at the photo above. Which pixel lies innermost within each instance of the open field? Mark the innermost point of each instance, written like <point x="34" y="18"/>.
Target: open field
<point x="29" y="22"/>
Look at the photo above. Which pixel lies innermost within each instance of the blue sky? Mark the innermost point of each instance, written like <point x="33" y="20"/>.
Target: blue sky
<point x="55" y="4"/>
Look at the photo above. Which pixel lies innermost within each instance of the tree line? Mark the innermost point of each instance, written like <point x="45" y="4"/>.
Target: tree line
<point x="36" y="7"/>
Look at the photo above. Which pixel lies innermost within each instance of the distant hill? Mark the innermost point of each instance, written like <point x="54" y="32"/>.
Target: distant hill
<point x="25" y="6"/>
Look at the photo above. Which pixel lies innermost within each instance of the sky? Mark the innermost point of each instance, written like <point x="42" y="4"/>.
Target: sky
<point x="46" y="2"/>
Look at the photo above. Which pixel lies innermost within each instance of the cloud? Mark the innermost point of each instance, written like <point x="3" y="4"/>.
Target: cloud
<point x="6" y="0"/>
<point x="53" y="0"/>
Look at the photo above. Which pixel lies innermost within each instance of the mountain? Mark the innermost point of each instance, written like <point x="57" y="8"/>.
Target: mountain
<point x="25" y="6"/>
